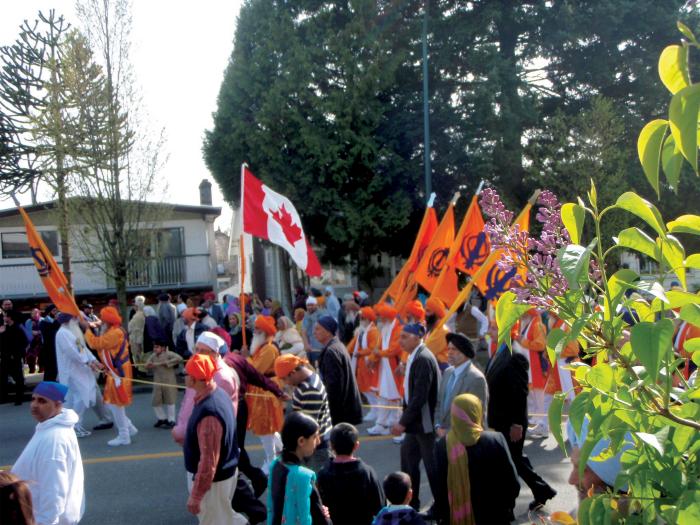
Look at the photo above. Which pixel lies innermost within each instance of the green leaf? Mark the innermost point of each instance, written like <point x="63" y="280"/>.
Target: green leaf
<point x="649" y="144"/>
<point x="673" y="254"/>
<point x="554" y="415"/>
<point x="578" y="409"/>
<point x="676" y="299"/>
<point x="652" y="441"/>
<point x="685" y="224"/>
<point x="633" y="203"/>
<point x="683" y="118"/>
<point x="673" y="68"/>
<point x="507" y="314"/>
<point x="689" y="510"/>
<point x="574" y="261"/>
<point x="671" y="162"/>
<point x="651" y="343"/>
<point x="573" y="216"/>
<point x="693" y="261"/>
<point x="686" y="31"/>
<point x="692" y="345"/>
<point x="620" y="281"/>
<point x="691" y="314"/>
<point x="592" y="195"/>
<point x="636" y="239"/>
<point x="602" y="377"/>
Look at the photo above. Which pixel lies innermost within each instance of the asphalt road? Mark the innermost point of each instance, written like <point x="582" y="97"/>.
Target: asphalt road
<point x="145" y="482"/>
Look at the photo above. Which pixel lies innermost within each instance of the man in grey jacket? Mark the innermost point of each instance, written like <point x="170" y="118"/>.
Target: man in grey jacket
<point x="421" y="382"/>
<point x="462" y="377"/>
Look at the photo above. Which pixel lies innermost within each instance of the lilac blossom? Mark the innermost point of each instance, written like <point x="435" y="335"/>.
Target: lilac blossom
<point x="544" y="279"/>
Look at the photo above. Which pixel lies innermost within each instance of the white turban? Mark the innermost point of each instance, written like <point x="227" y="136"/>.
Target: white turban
<point x="311" y="300"/>
<point x="211" y="341"/>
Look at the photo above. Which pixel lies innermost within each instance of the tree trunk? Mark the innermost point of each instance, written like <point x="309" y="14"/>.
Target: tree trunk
<point x="63" y="227"/>
<point x="120" y="282"/>
<point x="508" y="164"/>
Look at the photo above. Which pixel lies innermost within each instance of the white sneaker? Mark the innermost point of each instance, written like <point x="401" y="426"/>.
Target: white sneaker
<point x="132" y="429"/>
<point x="80" y="431"/>
<point x="539" y="432"/>
<point x="399" y="439"/>
<point x="378" y="430"/>
<point x="119" y="440"/>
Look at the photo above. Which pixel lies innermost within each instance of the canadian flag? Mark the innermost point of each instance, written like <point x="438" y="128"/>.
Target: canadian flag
<point x="272" y="216"/>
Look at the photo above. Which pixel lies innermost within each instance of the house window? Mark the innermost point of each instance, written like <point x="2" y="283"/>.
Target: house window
<point x="16" y="246"/>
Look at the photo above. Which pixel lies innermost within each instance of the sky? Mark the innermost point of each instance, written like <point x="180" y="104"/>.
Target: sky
<point x="179" y="51"/>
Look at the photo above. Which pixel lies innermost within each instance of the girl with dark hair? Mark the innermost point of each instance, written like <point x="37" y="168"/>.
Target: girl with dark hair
<point x="15" y="500"/>
<point x="293" y="497"/>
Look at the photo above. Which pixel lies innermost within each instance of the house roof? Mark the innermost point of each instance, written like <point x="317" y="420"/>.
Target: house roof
<point x="50" y="205"/>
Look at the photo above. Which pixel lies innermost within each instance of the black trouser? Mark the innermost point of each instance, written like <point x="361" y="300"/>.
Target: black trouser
<point x="417" y="447"/>
<point x="11" y="368"/>
<point x="256" y="475"/>
<point x="541" y="490"/>
<point x="244" y="501"/>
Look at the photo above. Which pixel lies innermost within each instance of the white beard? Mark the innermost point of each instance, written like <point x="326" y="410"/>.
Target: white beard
<point x="364" y="325"/>
<point x="350" y="316"/>
<point x="385" y="329"/>
<point x="74" y="328"/>
<point x="259" y="339"/>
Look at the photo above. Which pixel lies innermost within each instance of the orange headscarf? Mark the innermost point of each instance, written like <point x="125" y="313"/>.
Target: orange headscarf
<point x="266" y="324"/>
<point x="436" y="306"/>
<point x="286" y="364"/>
<point x="367" y="313"/>
<point x="386" y="311"/>
<point x="415" y="310"/>
<point x="110" y="315"/>
<point x="200" y="367"/>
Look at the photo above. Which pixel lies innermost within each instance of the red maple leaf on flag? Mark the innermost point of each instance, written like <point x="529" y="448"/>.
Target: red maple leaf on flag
<point x="291" y="231"/>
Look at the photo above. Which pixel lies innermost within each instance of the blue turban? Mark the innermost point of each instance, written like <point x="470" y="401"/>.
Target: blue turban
<point x="51" y="390"/>
<point x="63" y="318"/>
<point x="416" y="329"/>
<point x="328" y="323"/>
<point x="606" y="469"/>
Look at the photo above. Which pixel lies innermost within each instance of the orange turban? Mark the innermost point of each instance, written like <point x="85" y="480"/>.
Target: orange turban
<point x="415" y="310"/>
<point x="386" y="311"/>
<point x="367" y="313"/>
<point x="200" y="367"/>
<point x="436" y="306"/>
<point x="110" y="315"/>
<point x="266" y="324"/>
<point x="286" y="364"/>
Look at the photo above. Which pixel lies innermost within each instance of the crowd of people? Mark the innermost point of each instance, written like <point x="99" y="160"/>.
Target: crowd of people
<point x="450" y="397"/>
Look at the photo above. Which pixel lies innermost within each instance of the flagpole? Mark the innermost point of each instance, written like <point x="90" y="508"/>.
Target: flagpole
<point x="241" y="241"/>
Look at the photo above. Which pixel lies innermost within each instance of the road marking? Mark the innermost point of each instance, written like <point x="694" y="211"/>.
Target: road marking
<point x="175" y="454"/>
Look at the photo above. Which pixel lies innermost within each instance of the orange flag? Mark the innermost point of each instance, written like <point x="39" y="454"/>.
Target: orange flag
<point x="487" y="268"/>
<point x="425" y="234"/>
<point x="467" y="254"/>
<point x="492" y="281"/>
<point x="435" y="258"/>
<point x="51" y="275"/>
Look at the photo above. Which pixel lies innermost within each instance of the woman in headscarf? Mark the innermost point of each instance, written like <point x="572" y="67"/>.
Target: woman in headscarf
<point x="288" y="339"/>
<point x="477" y="480"/>
<point x="232" y="324"/>
<point x="112" y="347"/>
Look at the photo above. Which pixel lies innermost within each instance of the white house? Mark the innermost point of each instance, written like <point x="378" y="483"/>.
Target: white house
<point x="184" y="243"/>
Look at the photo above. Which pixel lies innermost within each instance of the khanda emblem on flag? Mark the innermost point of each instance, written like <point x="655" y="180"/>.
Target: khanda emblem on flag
<point x="474" y="250"/>
<point x="498" y="281"/>
<point x="40" y="260"/>
<point x="437" y="261"/>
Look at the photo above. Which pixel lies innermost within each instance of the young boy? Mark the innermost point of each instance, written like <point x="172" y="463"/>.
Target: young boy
<point x="349" y="488"/>
<point x="397" y="487"/>
<point x="163" y="363"/>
